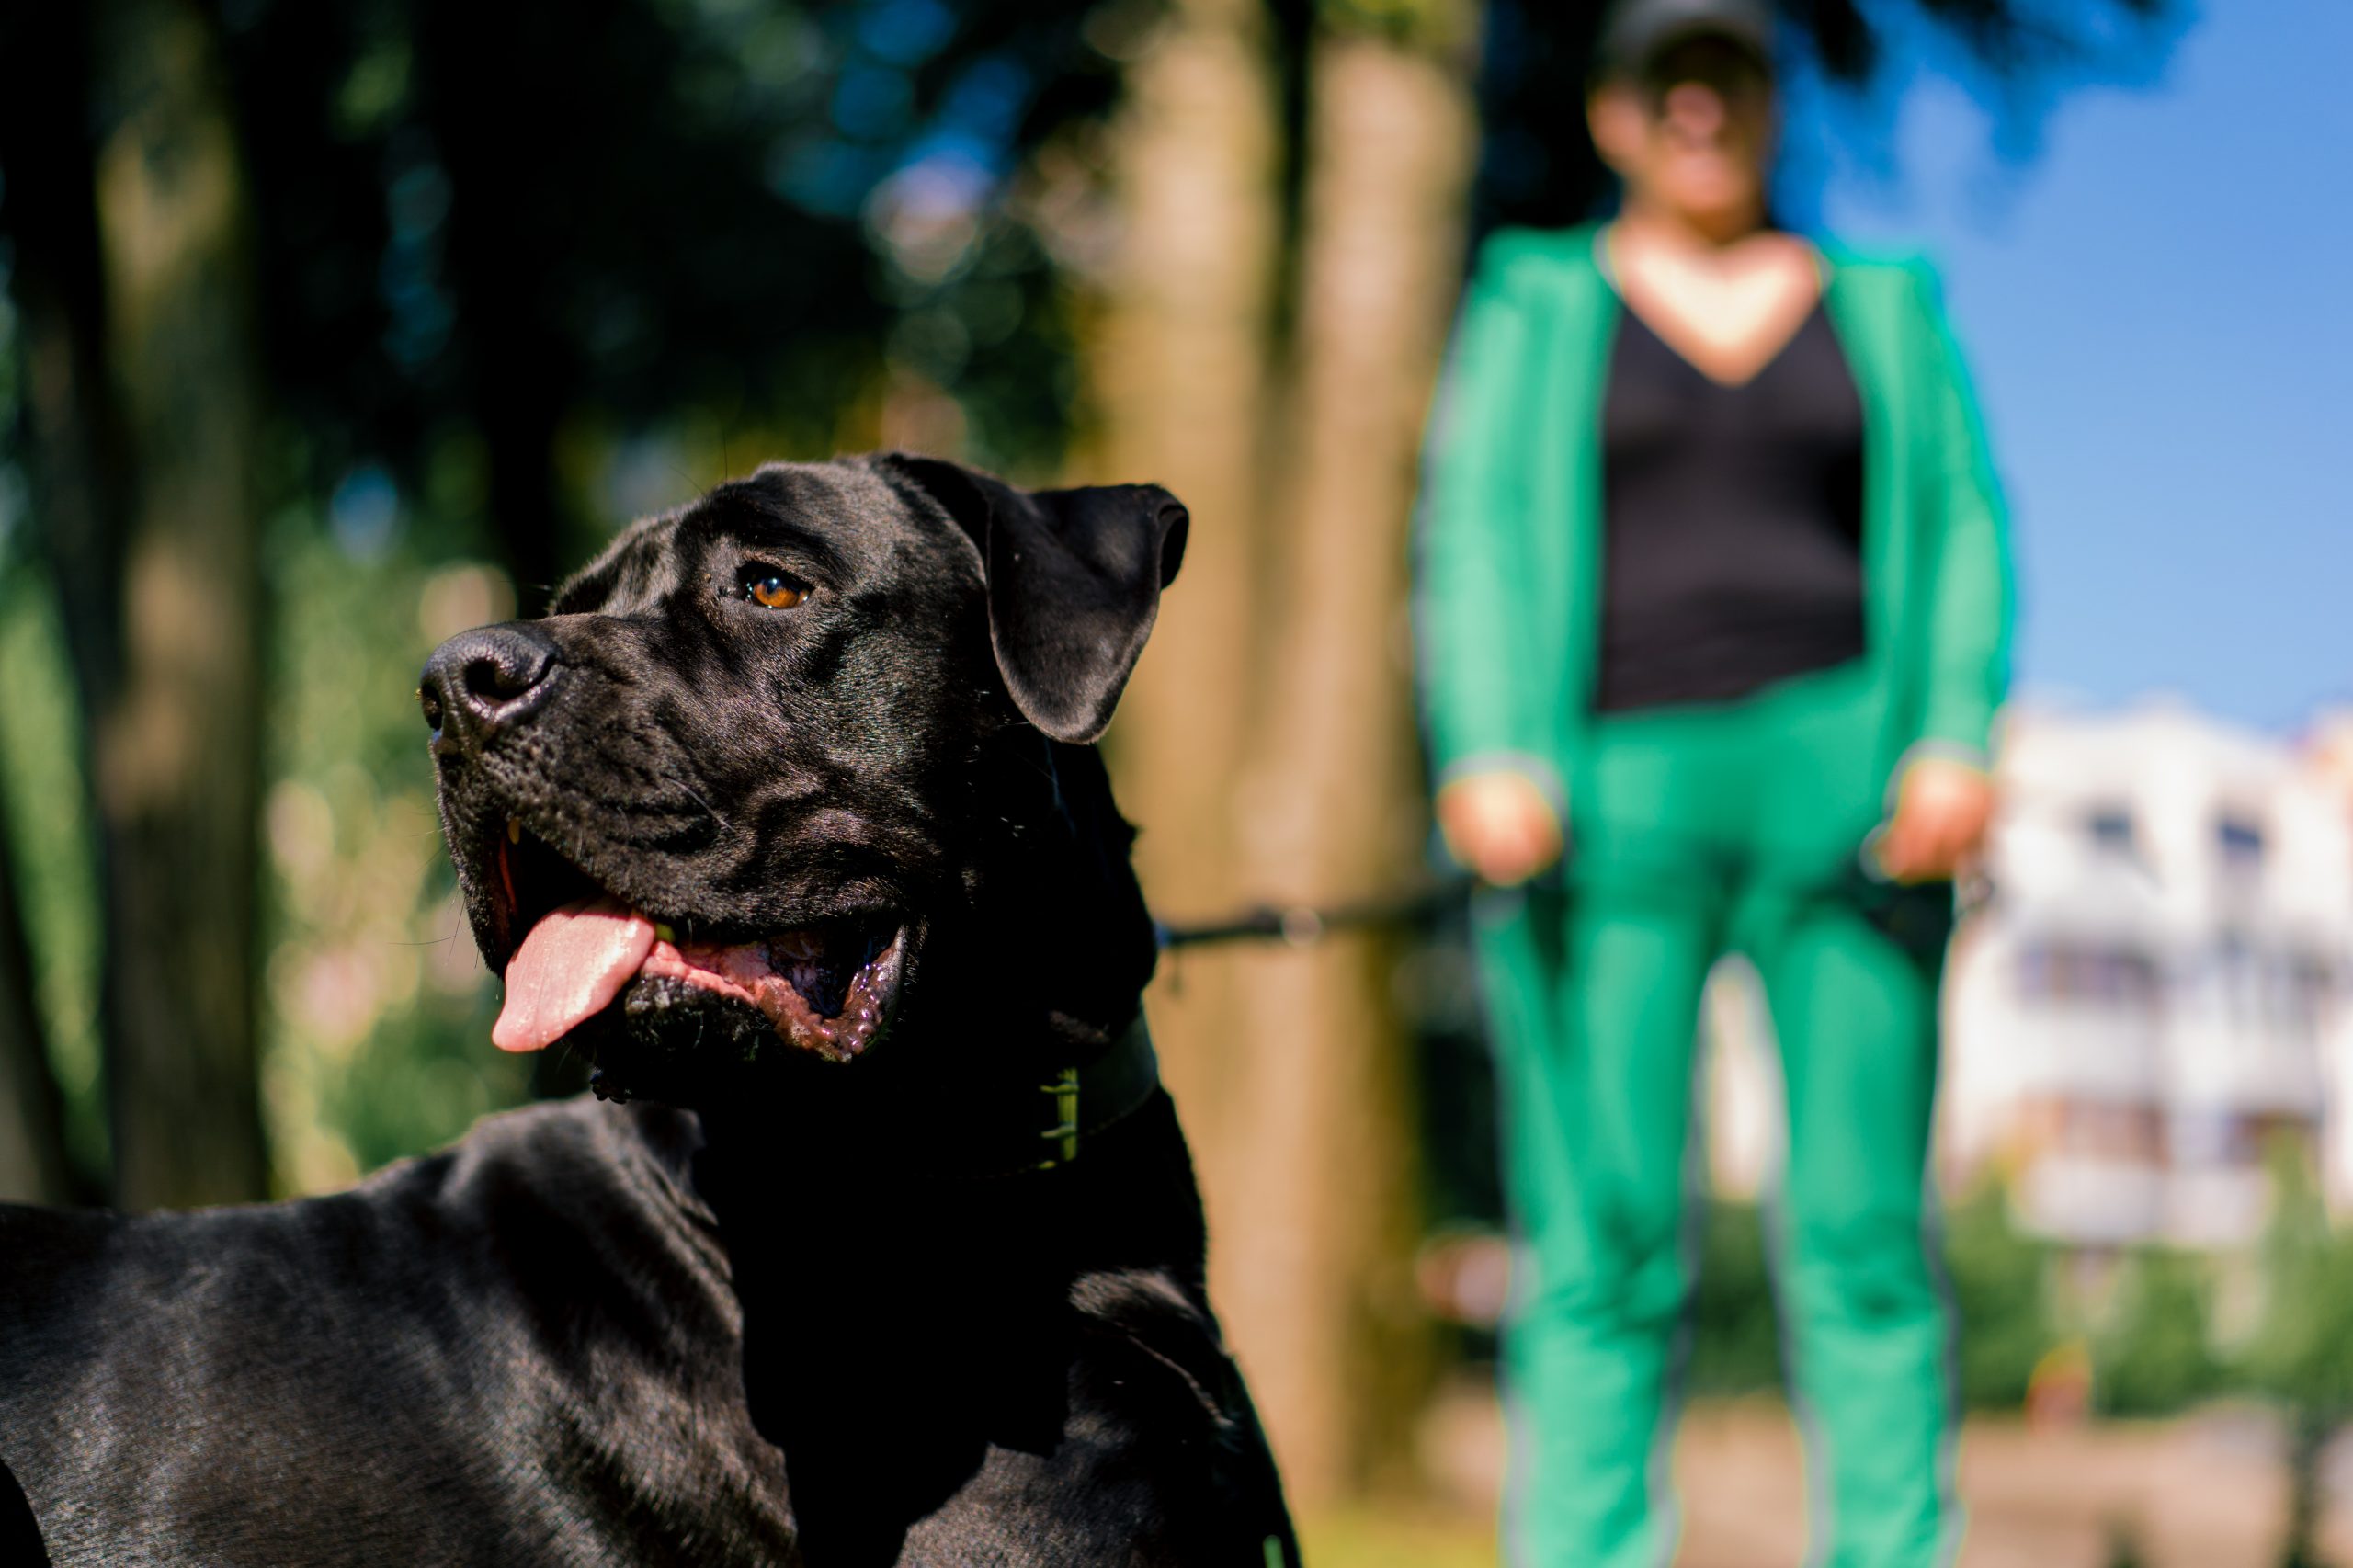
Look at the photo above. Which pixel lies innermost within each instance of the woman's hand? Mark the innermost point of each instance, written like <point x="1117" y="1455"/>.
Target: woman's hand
<point x="1500" y="825"/>
<point x="1941" y="812"/>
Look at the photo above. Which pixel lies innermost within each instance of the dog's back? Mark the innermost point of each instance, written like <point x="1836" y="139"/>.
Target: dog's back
<point x="412" y="1372"/>
<point x="529" y="1348"/>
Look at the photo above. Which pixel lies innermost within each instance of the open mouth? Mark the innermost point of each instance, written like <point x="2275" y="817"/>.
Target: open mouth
<point x="826" y="988"/>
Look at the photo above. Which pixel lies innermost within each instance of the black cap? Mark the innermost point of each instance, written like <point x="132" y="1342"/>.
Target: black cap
<point x="1636" y="32"/>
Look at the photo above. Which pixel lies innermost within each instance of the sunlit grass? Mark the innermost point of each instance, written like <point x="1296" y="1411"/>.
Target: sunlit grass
<point x="1370" y="1536"/>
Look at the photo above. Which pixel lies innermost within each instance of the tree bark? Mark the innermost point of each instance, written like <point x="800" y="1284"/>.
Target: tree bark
<point x="1267" y="747"/>
<point x="1317" y="1270"/>
<point x="516" y="376"/>
<point x="1181" y="378"/>
<point x="168" y="644"/>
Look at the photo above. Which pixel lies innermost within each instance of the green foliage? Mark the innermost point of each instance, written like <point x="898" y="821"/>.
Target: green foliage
<point x="2152" y="1353"/>
<point x="377" y="1010"/>
<point x="1429" y="24"/>
<point x="45" y="809"/>
<point x="1735" y="1347"/>
<point x="2303" y="1351"/>
<point x="1999" y="1290"/>
<point x="758" y="211"/>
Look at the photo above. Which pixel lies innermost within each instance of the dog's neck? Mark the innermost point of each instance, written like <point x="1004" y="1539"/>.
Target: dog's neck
<point x="973" y="1110"/>
<point x="802" y="1205"/>
<point x="906" y="1286"/>
<point x="898" y="1323"/>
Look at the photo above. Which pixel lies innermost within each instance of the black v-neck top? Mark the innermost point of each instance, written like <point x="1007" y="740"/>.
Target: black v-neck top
<point x="1733" y="521"/>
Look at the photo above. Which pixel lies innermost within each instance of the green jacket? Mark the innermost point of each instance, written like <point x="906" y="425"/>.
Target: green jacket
<point x="1512" y="522"/>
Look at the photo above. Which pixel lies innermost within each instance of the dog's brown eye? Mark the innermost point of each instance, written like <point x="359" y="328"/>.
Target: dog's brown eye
<point x="774" y="590"/>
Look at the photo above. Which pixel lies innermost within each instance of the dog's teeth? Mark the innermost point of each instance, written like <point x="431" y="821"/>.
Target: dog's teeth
<point x="514" y="830"/>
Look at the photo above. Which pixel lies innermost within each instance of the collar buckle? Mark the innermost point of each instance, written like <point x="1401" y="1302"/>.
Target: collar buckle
<point x="1064" y="1134"/>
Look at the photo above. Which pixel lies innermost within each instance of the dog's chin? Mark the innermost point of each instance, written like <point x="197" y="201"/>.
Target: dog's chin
<point x="828" y="991"/>
<point x="678" y="1044"/>
<point x="669" y="1041"/>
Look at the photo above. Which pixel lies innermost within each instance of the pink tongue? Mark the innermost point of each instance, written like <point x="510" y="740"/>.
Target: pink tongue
<point x="573" y="962"/>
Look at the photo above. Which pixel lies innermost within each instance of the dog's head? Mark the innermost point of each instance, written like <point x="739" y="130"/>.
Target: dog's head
<point x="805" y="765"/>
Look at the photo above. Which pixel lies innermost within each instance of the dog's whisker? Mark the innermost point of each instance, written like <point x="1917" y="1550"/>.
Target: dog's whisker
<point x="713" y="812"/>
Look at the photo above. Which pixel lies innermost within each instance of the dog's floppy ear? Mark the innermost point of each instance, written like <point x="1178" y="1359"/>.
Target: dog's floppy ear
<point x="1074" y="584"/>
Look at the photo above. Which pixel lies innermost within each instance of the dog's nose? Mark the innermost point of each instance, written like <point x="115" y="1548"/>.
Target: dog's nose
<point x="483" y="679"/>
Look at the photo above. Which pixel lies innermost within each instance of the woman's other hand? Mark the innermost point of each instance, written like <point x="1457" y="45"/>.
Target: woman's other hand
<point x="1500" y="825"/>
<point x="1942" y="809"/>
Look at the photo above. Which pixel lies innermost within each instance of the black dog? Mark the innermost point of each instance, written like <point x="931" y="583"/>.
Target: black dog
<point x="787" y="818"/>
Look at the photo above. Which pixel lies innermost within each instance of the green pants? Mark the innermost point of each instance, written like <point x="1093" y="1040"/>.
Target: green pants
<point x="1699" y="831"/>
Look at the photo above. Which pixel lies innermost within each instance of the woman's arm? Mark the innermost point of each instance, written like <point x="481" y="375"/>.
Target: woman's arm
<point x="1943" y="797"/>
<point x="1467" y="602"/>
<point x="1970" y="600"/>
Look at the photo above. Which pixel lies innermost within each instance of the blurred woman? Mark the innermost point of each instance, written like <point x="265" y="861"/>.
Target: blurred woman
<point x="1715" y="598"/>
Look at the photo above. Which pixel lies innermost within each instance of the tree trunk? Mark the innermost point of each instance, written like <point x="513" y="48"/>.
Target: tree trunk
<point x="1266" y="747"/>
<point x="1317" y="1270"/>
<point x="172" y="683"/>
<point x="516" y="376"/>
<point x="1181" y="381"/>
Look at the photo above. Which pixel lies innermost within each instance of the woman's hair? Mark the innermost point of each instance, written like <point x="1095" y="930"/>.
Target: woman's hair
<point x="1634" y="33"/>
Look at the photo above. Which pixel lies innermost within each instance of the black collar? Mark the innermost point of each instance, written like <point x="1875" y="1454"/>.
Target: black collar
<point x="1022" y="1122"/>
<point x="1047" y="1124"/>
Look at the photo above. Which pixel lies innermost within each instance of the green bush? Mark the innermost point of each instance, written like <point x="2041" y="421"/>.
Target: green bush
<point x="2152" y="1353"/>
<point x="1735" y="1347"/>
<point x="2000" y="1291"/>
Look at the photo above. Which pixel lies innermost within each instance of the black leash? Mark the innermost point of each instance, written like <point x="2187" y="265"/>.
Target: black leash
<point x="1912" y="910"/>
<point x="1301" y="924"/>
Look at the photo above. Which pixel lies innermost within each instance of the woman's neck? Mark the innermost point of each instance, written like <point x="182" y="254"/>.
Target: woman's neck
<point x="1669" y="230"/>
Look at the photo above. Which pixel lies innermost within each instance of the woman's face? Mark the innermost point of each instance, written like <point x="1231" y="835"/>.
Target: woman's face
<point x="1693" y="133"/>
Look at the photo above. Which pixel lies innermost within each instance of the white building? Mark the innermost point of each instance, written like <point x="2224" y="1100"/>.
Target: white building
<point x="2160" y="980"/>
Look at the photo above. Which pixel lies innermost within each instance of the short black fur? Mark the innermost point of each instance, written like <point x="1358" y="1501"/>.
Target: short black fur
<point x="797" y="1314"/>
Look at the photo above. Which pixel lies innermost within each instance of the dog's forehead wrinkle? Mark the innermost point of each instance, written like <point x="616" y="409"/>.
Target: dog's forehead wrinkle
<point x="622" y="570"/>
<point x="721" y="534"/>
<point x="834" y="502"/>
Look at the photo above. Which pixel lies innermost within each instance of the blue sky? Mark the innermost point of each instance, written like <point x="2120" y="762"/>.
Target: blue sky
<point x="2155" y="303"/>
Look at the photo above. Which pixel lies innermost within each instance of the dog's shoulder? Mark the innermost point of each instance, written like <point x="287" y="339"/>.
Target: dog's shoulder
<point x="1160" y="1459"/>
<point x="579" y="1157"/>
<point x="425" y="1245"/>
<point x="377" y="1362"/>
<point x="1154" y="1347"/>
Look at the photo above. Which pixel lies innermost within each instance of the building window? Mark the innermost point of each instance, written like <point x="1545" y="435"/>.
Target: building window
<point x="2239" y="839"/>
<point x="2111" y="829"/>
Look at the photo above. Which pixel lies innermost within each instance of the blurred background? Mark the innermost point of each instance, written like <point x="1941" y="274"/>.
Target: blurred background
<point x="329" y="330"/>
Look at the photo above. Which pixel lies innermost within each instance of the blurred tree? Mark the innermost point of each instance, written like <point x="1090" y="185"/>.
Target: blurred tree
<point x="2154" y="1354"/>
<point x="1735" y="1346"/>
<point x="492" y="234"/>
<point x="1332" y="778"/>
<point x="125" y="204"/>
<point x="1182" y="389"/>
<point x="2302" y="1353"/>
